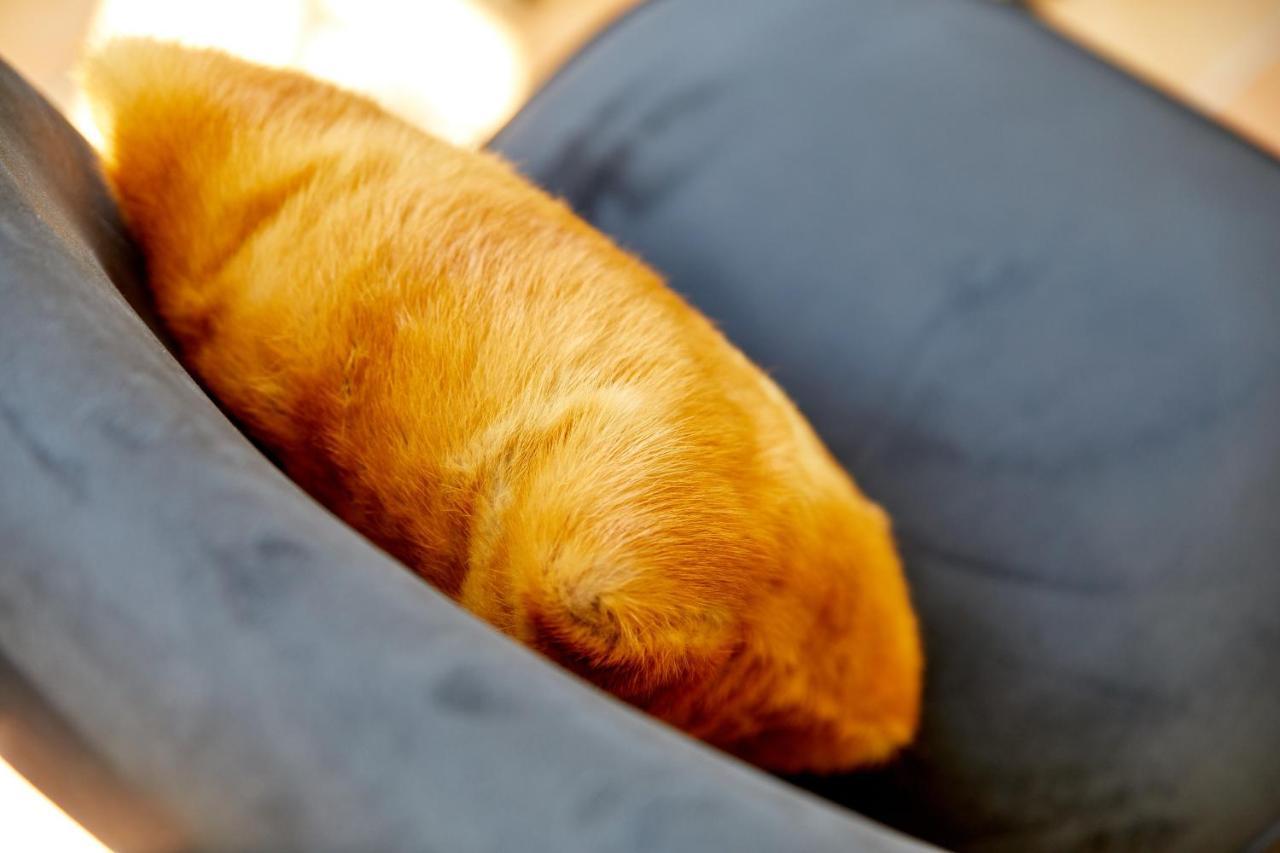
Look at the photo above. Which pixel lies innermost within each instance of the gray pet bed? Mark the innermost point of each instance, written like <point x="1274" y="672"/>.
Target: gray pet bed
<point x="1033" y="306"/>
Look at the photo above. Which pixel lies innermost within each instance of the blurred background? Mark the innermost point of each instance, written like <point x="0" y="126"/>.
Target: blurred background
<point x="457" y="67"/>
<point x="461" y="68"/>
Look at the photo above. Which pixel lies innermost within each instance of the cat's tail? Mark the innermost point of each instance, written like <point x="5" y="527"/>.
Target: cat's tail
<point x="166" y="133"/>
<point x="195" y="141"/>
<point x="162" y="97"/>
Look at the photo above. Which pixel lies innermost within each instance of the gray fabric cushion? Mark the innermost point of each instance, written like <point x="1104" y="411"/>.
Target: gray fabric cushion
<point x="1035" y="308"/>
<point x="194" y="653"/>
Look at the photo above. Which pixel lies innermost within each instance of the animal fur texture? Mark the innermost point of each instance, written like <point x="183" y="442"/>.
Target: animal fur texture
<point x="525" y="415"/>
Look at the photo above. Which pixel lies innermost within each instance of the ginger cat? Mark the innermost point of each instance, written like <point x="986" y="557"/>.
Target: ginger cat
<point x="523" y="414"/>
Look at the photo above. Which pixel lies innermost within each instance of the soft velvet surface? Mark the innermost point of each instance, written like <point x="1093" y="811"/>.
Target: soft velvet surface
<point x="1036" y="308"/>
<point x="194" y="655"/>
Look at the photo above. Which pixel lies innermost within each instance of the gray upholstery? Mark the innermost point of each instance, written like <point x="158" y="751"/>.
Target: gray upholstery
<point x="1035" y="308"/>
<point x="194" y="654"/>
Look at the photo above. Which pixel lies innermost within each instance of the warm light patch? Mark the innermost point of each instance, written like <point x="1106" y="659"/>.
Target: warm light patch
<point x="266" y="32"/>
<point x="449" y="66"/>
<point x="82" y="118"/>
<point x="32" y="822"/>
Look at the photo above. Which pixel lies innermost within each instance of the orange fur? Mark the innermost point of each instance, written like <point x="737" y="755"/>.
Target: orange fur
<point x="525" y="415"/>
